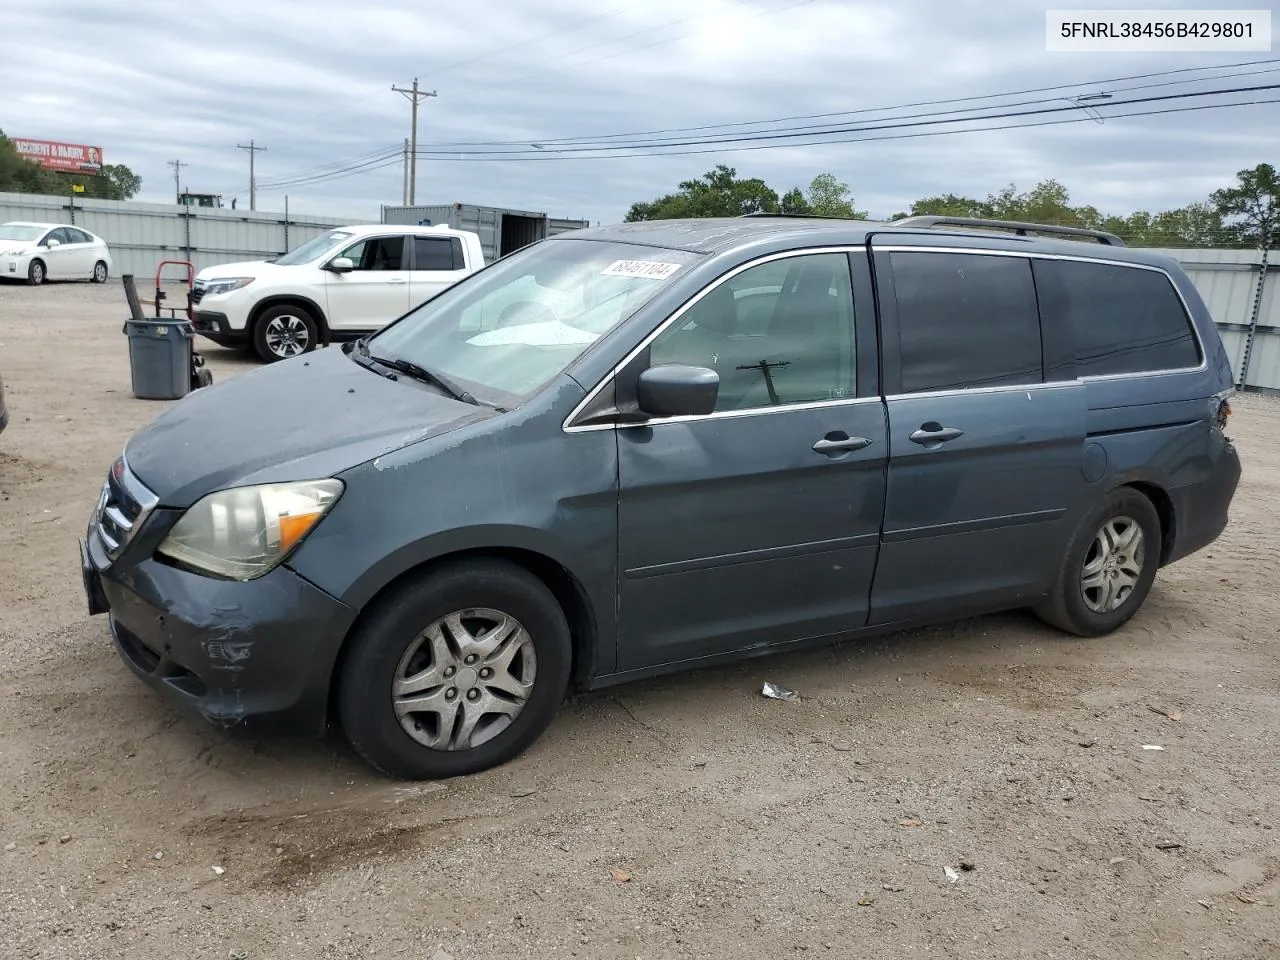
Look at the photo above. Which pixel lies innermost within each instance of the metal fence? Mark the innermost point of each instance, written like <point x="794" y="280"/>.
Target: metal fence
<point x="1240" y="287"/>
<point x="1242" y="291"/>
<point x="140" y="235"/>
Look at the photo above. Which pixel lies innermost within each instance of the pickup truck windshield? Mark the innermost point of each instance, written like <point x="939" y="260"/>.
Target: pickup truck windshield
<point x="313" y="249"/>
<point x="511" y="328"/>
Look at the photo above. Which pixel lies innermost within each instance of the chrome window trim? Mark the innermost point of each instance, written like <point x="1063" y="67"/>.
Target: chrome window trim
<point x="567" y="424"/>
<point x="888" y="248"/>
<point x="1084" y="258"/>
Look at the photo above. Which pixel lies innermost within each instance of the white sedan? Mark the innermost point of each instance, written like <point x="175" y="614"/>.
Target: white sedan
<point x="36" y="252"/>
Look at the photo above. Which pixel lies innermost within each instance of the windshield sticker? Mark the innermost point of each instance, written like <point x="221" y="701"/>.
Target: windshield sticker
<point x="644" y="269"/>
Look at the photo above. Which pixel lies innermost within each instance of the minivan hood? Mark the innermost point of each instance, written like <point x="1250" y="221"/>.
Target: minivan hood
<point x="308" y="417"/>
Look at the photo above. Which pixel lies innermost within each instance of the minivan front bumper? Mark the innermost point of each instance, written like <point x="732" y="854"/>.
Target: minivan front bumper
<point x="254" y="658"/>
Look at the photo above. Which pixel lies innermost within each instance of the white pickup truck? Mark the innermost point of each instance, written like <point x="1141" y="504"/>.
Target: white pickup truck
<point x="339" y="285"/>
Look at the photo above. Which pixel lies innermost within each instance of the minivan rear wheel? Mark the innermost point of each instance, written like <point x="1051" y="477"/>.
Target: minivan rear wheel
<point x="456" y="672"/>
<point x="1110" y="565"/>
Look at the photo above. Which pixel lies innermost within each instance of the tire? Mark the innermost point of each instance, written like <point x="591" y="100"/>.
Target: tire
<point x="36" y="273"/>
<point x="394" y="643"/>
<point x="99" y="272"/>
<point x="285" y="331"/>
<point x="1127" y="573"/>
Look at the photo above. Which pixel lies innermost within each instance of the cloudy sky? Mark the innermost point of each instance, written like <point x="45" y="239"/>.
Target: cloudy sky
<point x="154" y="80"/>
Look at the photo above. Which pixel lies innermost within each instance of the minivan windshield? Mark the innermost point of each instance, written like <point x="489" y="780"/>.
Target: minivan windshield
<point x="15" y="231"/>
<point x="314" y="248"/>
<point x="508" y="330"/>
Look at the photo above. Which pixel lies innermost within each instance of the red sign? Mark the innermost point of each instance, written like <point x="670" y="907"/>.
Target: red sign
<point x="66" y="157"/>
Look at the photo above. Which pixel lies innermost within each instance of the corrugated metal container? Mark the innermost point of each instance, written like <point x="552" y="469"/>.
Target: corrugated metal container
<point x="557" y="225"/>
<point x="501" y="229"/>
<point x="140" y="235"/>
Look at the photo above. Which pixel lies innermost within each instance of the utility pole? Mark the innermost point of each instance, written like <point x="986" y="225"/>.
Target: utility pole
<point x="177" y="179"/>
<point x="253" y="182"/>
<point x="405" y="191"/>
<point x="414" y="96"/>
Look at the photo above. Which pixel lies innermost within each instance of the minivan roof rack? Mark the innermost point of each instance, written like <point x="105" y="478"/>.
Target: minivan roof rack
<point x="1021" y="228"/>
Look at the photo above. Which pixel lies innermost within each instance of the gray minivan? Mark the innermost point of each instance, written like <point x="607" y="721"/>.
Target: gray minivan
<point x="643" y="448"/>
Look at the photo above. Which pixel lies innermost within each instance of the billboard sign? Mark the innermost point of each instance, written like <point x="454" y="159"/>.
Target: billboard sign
<point x="63" y="157"/>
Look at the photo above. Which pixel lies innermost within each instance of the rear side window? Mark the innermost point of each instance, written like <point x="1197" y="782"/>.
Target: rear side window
<point x="966" y="320"/>
<point x="1120" y="320"/>
<point x="437" y="253"/>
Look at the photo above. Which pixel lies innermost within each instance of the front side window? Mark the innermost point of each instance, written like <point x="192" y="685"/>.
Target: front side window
<point x="314" y="249"/>
<point x="778" y="333"/>
<point x="966" y="320"/>
<point x="507" y="331"/>
<point x="376" y="253"/>
<point x="1120" y="320"/>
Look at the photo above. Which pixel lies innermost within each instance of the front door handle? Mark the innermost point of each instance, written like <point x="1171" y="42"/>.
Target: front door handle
<point x="834" y="444"/>
<point x="935" y="433"/>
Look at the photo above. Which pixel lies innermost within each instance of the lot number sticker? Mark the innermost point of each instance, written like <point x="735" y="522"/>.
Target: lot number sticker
<point x="645" y="269"/>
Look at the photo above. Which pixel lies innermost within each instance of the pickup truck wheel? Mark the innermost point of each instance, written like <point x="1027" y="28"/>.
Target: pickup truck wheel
<point x="455" y="673"/>
<point x="1109" y="567"/>
<point x="283" y="332"/>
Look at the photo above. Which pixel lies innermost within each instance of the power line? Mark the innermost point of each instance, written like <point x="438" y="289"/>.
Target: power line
<point x="481" y="158"/>
<point x="889" y="123"/>
<point x="619" y="53"/>
<point x="347" y="106"/>
<point x="546" y="142"/>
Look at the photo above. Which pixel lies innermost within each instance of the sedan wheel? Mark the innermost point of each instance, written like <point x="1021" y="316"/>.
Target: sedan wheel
<point x="35" y="273"/>
<point x="99" y="272"/>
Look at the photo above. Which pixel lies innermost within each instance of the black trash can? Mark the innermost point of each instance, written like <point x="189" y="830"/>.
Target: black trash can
<point x="160" y="357"/>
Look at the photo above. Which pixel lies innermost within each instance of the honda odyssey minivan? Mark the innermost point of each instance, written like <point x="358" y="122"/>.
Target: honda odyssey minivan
<point x="644" y="448"/>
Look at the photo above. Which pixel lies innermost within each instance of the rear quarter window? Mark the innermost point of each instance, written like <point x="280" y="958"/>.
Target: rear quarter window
<point x="1115" y="319"/>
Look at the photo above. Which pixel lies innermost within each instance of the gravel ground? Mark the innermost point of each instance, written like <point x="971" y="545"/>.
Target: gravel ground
<point x="687" y="817"/>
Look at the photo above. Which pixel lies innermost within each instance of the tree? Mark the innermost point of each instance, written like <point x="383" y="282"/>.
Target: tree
<point x="718" y="193"/>
<point x="1252" y="204"/>
<point x="828" y="197"/>
<point x="946" y="205"/>
<point x="20" y="175"/>
<point x="794" y="203"/>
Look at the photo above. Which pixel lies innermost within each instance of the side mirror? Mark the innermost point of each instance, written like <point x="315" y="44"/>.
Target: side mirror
<point x="342" y="265"/>
<point x="51" y="243"/>
<point x="676" y="390"/>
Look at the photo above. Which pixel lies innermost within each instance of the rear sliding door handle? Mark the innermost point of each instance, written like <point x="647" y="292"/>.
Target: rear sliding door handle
<point x="935" y="433"/>
<point x="833" y="444"/>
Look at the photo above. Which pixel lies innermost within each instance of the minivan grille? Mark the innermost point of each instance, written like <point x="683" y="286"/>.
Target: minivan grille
<point x="123" y="505"/>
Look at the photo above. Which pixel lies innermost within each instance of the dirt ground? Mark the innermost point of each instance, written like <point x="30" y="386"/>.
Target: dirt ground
<point x="743" y="827"/>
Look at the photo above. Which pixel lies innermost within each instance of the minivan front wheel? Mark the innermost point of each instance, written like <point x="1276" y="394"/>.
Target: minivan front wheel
<point x="456" y="672"/>
<point x="1109" y="568"/>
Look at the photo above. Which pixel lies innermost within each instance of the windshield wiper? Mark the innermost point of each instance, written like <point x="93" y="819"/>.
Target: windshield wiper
<point x="419" y="372"/>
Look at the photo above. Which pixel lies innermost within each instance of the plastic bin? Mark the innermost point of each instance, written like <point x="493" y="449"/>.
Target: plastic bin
<point x="160" y="357"/>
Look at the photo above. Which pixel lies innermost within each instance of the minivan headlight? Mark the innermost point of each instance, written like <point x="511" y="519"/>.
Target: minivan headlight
<point x="244" y="532"/>
<point x="213" y="288"/>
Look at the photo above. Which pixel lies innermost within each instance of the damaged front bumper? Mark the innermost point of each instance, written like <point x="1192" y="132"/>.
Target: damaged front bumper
<point x="254" y="658"/>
